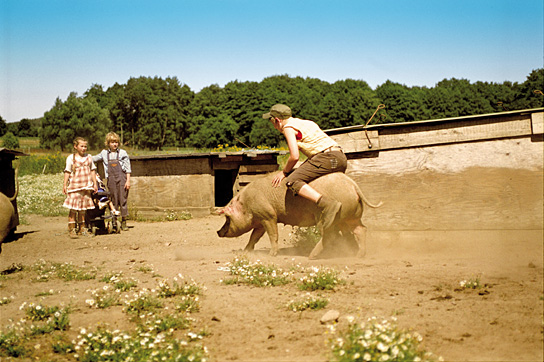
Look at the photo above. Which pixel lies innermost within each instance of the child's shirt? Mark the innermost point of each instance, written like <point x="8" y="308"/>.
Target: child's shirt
<point x="106" y="155"/>
<point x="80" y="169"/>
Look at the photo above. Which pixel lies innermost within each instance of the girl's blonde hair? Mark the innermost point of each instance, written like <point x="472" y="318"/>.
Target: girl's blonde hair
<point x="112" y="137"/>
<point x="79" y="139"/>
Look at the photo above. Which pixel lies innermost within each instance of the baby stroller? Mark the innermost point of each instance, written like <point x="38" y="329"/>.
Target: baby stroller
<point x="98" y="222"/>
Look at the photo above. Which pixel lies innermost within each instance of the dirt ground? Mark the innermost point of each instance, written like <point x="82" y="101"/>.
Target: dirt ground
<point x="412" y="275"/>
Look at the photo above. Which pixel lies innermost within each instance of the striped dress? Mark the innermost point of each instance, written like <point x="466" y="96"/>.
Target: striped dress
<point x="80" y="185"/>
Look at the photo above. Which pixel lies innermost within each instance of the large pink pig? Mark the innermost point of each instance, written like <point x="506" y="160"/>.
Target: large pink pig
<point x="260" y="207"/>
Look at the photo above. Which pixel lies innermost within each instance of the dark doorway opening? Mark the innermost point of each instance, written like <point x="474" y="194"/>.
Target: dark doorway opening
<point x="224" y="185"/>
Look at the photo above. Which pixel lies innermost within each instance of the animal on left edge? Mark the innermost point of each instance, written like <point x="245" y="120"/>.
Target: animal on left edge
<point x="7" y="212"/>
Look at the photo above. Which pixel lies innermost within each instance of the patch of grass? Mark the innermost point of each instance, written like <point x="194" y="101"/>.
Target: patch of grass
<point x="157" y="314"/>
<point x="320" y="279"/>
<point x="179" y="287"/>
<point x="471" y="283"/>
<point x="117" y="346"/>
<point x="54" y="318"/>
<point x="5" y="300"/>
<point x="258" y="274"/>
<point x="45" y="294"/>
<point x="103" y="298"/>
<point x="61" y="346"/>
<point x="146" y="269"/>
<point x="304" y="238"/>
<point x="12" y="344"/>
<point x="65" y="271"/>
<point x="159" y="324"/>
<point x="42" y="164"/>
<point x="376" y="340"/>
<point x="41" y="195"/>
<point x="141" y="302"/>
<point x="119" y="283"/>
<point x="308" y="301"/>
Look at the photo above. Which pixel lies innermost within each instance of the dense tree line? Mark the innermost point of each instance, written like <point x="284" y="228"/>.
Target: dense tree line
<point x="152" y="113"/>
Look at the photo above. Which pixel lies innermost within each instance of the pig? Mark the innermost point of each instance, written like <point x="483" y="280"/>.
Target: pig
<point x="7" y="213"/>
<point x="260" y="206"/>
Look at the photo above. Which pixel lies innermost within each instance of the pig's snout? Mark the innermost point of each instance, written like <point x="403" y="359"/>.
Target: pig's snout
<point x="224" y="229"/>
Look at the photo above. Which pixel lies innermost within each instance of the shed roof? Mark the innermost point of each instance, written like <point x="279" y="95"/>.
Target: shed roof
<point x="247" y="153"/>
<point x="7" y="151"/>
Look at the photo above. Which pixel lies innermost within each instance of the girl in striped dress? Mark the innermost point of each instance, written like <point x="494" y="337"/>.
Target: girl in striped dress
<point x="79" y="182"/>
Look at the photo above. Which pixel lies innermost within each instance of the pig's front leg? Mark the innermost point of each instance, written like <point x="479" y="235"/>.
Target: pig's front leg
<point x="271" y="228"/>
<point x="256" y="234"/>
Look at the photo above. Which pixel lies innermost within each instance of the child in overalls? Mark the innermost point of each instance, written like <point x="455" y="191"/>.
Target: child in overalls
<point x="117" y="171"/>
<point x="79" y="182"/>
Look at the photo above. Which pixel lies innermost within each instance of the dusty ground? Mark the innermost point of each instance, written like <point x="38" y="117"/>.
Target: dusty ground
<point x="412" y="275"/>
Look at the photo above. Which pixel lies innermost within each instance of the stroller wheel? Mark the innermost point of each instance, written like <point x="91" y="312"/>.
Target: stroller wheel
<point x="117" y="226"/>
<point x="94" y="230"/>
<point x="109" y="227"/>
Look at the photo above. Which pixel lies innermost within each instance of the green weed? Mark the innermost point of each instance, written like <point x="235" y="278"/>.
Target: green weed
<point x="245" y="272"/>
<point x="376" y="340"/>
<point x="320" y="279"/>
<point x="308" y="301"/>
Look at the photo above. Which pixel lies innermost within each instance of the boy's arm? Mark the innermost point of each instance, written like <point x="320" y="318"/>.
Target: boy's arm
<point x="98" y="157"/>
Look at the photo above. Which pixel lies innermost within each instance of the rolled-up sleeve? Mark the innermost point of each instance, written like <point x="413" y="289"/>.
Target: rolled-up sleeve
<point x="125" y="161"/>
<point x="98" y="157"/>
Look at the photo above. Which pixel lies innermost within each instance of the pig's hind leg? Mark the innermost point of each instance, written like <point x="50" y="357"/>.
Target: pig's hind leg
<point x="359" y="232"/>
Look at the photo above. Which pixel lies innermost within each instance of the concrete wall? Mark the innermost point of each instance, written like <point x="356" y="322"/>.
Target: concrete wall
<point x="470" y="173"/>
<point x="196" y="183"/>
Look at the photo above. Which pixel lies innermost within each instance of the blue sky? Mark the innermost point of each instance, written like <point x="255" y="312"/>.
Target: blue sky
<point x="49" y="48"/>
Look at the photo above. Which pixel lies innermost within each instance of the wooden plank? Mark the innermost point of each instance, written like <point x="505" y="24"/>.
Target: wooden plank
<point x="264" y="168"/>
<point x="537" y="122"/>
<point x="425" y="135"/>
<point x="165" y="167"/>
<point x="358" y="141"/>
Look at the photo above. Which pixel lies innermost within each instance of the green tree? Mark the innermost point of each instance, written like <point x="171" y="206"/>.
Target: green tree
<point x="403" y="104"/>
<point x="528" y="95"/>
<point x="10" y="141"/>
<point x="76" y="117"/>
<point x="215" y="131"/>
<point x="3" y="126"/>
<point x="153" y="112"/>
<point x="24" y="128"/>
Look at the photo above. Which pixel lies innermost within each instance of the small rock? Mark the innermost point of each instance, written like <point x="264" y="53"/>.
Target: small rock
<point x="331" y="316"/>
<point x="531" y="265"/>
<point x="215" y="319"/>
<point x="134" y="247"/>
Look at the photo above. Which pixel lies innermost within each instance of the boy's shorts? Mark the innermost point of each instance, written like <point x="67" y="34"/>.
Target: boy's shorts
<point x="320" y="164"/>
